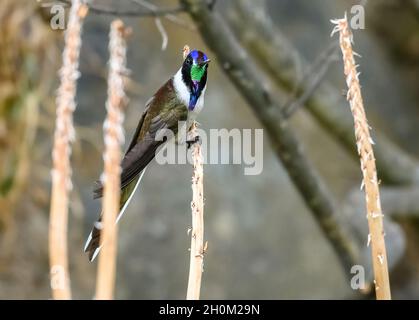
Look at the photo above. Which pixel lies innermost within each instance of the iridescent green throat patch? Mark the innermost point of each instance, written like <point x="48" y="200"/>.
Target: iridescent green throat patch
<point x="197" y="72"/>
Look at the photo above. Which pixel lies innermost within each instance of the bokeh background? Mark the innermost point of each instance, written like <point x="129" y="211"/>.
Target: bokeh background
<point x="263" y="241"/>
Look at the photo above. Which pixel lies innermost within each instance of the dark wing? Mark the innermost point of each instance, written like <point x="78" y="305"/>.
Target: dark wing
<point x="144" y="144"/>
<point x="98" y="190"/>
<point x="144" y="150"/>
<point x="140" y="125"/>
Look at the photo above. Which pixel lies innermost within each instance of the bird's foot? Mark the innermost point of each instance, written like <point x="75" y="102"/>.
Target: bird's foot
<point x="191" y="142"/>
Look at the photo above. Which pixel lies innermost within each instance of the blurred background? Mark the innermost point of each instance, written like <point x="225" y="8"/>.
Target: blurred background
<point x="263" y="242"/>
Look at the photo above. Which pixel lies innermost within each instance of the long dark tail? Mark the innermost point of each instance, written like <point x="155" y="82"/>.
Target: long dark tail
<point x="92" y="246"/>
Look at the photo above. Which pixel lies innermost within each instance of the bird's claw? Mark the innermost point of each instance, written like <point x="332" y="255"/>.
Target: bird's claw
<point x="191" y="142"/>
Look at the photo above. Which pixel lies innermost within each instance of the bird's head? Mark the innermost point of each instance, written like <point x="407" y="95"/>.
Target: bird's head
<point x="194" y="73"/>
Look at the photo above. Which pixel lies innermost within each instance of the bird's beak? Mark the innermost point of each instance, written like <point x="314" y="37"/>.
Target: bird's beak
<point x="204" y="63"/>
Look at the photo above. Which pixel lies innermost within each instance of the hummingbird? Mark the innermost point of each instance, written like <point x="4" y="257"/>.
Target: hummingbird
<point x="181" y="98"/>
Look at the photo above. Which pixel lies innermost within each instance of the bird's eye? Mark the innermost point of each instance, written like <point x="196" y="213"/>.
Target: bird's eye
<point x="189" y="61"/>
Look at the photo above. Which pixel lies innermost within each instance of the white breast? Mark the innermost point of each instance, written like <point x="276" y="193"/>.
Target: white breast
<point x="183" y="94"/>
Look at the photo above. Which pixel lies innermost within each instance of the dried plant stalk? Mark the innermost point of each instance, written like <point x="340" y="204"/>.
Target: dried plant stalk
<point x="367" y="159"/>
<point x="114" y="137"/>
<point x="197" y="233"/>
<point x="197" y="249"/>
<point x="196" y="263"/>
<point x="61" y="172"/>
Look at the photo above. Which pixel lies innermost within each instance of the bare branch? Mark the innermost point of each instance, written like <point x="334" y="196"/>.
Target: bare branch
<point x="158" y="12"/>
<point x="277" y="55"/>
<point x="313" y="77"/>
<point x="169" y="16"/>
<point x="165" y="38"/>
